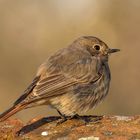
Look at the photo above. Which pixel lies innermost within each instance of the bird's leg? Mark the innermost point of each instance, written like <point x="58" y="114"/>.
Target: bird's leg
<point x="63" y="118"/>
<point x="60" y="113"/>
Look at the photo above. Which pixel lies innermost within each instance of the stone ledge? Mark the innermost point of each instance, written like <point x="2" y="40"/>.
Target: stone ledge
<point x="107" y="128"/>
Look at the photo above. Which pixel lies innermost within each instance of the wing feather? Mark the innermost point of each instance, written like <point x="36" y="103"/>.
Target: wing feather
<point x="54" y="87"/>
<point x="60" y="77"/>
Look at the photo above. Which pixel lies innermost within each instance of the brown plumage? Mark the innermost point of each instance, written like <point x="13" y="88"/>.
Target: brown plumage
<point x="74" y="79"/>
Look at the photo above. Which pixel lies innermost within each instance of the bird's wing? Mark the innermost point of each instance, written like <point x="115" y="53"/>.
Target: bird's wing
<point x="61" y="72"/>
<point x="58" y="84"/>
<point x="62" y="76"/>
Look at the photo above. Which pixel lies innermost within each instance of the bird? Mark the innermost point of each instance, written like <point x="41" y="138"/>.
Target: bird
<point x="73" y="80"/>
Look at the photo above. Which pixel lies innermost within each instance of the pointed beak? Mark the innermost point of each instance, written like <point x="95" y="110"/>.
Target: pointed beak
<point x="113" y="50"/>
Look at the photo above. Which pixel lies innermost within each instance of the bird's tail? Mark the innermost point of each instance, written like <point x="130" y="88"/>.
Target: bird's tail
<point x="11" y="111"/>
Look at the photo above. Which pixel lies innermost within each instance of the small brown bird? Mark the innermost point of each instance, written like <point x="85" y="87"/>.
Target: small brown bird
<point x="74" y="79"/>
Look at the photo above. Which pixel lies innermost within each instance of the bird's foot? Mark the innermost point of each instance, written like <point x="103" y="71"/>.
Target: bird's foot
<point x="76" y="116"/>
<point x="81" y="118"/>
<point x="63" y="119"/>
<point x="96" y="118"/>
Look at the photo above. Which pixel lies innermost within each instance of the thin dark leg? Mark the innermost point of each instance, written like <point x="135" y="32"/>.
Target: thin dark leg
<point x="63" y="118"/>
<point x="62" y="115"/>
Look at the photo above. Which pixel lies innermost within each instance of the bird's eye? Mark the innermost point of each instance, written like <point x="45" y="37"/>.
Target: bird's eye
<point x="97" y="47"/>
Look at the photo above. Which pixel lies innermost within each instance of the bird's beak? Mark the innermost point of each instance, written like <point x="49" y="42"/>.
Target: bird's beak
<point x="113" y="50"/>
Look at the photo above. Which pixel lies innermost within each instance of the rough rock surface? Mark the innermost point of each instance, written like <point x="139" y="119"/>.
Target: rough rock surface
<point x="98" y="128"/>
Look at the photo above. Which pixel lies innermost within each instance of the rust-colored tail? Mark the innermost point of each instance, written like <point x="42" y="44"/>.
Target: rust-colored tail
<point x="11" y="111"/>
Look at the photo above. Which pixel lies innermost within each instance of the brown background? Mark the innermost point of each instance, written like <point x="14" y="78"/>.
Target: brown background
<point x="31" y="30"/>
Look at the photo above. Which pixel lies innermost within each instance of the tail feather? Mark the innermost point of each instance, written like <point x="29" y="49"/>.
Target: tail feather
<point x="11" y="111"/>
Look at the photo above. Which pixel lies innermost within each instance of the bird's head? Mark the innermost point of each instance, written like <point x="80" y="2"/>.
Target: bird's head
<point x="95" y="46"/>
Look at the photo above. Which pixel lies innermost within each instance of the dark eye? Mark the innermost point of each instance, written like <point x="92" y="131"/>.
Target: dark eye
<point x="97" y="47"/>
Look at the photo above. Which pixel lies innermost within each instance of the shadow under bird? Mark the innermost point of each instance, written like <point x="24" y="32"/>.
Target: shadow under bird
<point x="73" y="80"/>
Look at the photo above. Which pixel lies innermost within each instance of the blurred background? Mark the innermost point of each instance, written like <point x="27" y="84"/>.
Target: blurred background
<point x="31" y="30"/>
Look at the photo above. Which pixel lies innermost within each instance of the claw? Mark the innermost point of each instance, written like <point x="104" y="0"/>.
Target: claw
<point x="64" y="119"/>
<point x="76" y="116"/>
